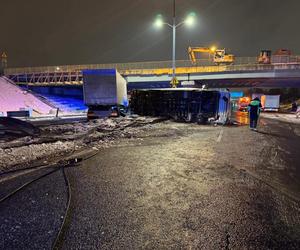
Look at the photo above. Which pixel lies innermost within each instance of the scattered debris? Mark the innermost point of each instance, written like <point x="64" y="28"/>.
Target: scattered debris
<point x="16" y="126"/>
<point x="55" y="142"/>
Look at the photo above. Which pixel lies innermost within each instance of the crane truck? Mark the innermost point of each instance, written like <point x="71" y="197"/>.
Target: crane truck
<point x="219" y="55"/>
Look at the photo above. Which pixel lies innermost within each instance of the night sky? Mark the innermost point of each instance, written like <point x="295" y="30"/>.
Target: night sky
<point x="58" y="32"/>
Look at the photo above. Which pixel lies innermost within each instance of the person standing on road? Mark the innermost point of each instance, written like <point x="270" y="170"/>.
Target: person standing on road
<point x="298" y="111"/>
<point x="294" y="107"/>
<point x="254" y="109"/>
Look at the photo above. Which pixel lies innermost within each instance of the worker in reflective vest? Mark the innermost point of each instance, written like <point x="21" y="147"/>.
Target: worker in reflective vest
<point x="254" y="109"/>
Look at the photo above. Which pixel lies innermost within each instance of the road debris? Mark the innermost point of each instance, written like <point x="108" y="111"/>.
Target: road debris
<point x="17" y="127"/>
<point x="58" y="141"/>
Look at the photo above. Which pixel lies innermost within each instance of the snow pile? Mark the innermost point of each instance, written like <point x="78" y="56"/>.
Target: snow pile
<point x="13" y="98"/>
<point x="290" y="118"/>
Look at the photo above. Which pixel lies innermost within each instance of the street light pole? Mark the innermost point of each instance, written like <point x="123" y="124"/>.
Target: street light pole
<point x="174" y="44"/>
<point x="159" y="23"/>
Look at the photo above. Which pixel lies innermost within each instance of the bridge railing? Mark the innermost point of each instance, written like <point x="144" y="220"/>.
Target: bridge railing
<point x="119" y="66"/>
<point x="241" y="63"/>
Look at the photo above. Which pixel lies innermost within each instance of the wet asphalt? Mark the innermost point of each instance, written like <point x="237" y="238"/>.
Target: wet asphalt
<point x="31" y="218"/>
<point x="285" y="138"/>
<point x="173" y="189"/>
<point x="176" y="186"/>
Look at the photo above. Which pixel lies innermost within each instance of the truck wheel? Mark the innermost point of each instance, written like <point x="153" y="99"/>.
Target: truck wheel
<point x="202" y="120"/>
<point x="189" y="117"/>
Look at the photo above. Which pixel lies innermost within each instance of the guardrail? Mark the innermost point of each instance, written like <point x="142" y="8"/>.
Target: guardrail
<point x="211" y="69"/>
<point x="119" y="66"/>
<point x="163" y="67"/>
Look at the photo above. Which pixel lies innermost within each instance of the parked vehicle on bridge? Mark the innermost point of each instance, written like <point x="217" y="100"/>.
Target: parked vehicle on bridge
<point x="281" y="56"/>
<point x="183" y="104"/>
<point x="283" y="52"/>
<point x="219" y="55"/>
<point x="105" y="93"/>
<point x="265" y="57"/>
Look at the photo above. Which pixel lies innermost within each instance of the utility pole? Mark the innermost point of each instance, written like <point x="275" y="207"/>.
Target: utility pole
<point x="174" y="45"/>
<point x="174" y="80"/>
<point x="160" y="22"/>
<point x="3" y="62"/>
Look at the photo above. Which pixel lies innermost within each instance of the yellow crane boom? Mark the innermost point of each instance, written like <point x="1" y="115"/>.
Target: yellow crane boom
<point x="219" y="55"/>
<point x="193" y="50"/>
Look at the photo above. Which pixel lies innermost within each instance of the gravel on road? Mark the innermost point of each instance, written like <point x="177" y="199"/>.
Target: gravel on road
<point x="156" y="186"/>
<point x="172" y="189"/>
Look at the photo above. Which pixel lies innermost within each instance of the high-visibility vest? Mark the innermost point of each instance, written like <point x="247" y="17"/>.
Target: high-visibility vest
<point x="174" y="81"/>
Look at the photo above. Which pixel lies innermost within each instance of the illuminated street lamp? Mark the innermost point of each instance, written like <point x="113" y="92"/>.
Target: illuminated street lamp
<point x="159" y="22"/>
<point x="189" y="21"/>
<point x="213" y="49"/>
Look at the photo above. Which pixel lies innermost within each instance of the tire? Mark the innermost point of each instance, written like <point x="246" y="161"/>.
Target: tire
<point x="189" y="117"/>
<point x="202" y="120"/>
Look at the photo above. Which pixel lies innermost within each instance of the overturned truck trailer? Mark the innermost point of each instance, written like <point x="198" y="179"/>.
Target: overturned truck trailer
<point x="185" y="104"/>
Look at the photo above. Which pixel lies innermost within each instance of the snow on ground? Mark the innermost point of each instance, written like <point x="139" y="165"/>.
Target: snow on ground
<point x="13" y="98"/>
<point x="56" y="142"/>
<point x="282" y="117"/>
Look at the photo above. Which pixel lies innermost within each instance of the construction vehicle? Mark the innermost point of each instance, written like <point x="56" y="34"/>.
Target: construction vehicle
<point x="219" y="55"/>
<point x="265" y="57"/>
<point x="280" y="56"/>
<point x="283" y="56"/>
<point x="283" y="52"/>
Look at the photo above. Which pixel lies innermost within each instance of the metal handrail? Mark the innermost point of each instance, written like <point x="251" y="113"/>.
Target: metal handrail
<point x="241" y="63"/>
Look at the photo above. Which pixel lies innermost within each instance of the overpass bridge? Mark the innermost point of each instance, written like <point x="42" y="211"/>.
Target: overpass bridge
<point x="284" y="71"/>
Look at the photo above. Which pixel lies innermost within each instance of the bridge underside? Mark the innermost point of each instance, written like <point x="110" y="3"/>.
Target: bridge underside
<point x="287" y="79"/>
<point x="251" y="83"/>
<point x="227" y="83"/>
<point x="215" y="83"/>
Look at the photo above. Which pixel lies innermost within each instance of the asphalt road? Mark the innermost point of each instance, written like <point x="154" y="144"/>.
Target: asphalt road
<point x="174" y="186"/>
<point x="182" y="186"/>
<point x="32" y="217"/>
